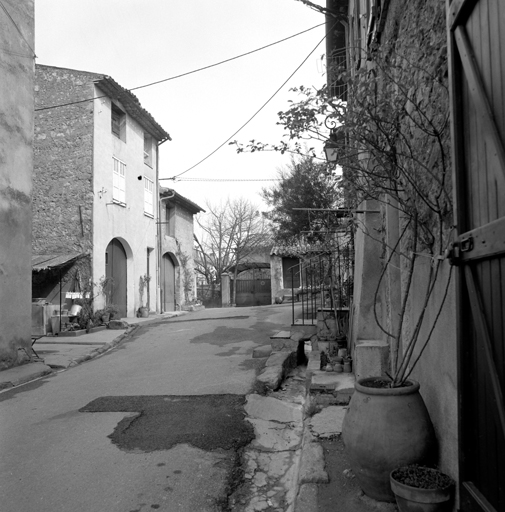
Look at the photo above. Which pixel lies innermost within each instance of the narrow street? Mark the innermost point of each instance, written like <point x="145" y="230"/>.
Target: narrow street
<point x="154" y="424"/>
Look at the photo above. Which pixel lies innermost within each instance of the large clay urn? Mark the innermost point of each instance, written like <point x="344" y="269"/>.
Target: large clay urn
<point x="385" y="428"/>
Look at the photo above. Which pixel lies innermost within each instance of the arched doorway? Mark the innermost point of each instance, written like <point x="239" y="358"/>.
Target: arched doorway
<point x="115" y="267"/>
<point x="168" y="283"/>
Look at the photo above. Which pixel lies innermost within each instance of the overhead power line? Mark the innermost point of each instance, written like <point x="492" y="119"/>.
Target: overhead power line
<point x="222" y="179"/>
<point x="182" y="74"/>
<point x="253" y="116"/>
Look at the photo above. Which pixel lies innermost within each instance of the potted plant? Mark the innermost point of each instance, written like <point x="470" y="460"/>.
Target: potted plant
<point x="421" y="489"/>
<point x="386" y="427"/>
<point x="101" y="316"/>
<point x="143" y="311"/>
<point x="113" y="311"/>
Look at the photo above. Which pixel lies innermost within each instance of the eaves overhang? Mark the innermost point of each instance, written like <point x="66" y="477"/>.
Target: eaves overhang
<point x="133" y="107"/>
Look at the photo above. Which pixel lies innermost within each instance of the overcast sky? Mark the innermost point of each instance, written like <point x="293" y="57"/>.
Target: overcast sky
<point x="137" y="42"/>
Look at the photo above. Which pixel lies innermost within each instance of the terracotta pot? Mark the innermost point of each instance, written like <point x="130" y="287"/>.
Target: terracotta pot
<point x="144" y="312"/>
<point x="413" y="499"/>
<point x="386" y="428"/>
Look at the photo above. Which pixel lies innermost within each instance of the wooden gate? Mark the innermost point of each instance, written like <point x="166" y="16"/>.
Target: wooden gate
<point x="476" y="31"/>
<point x="253" y="292"/>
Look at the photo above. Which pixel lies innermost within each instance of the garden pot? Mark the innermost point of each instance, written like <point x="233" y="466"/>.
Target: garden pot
<point x="416" y="499"/>
<point x="143" y="312"/>
<point x="105" y="318"/>
<point x="385" y="428"/>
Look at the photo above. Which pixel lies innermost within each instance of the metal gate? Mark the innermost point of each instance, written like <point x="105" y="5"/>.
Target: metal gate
<point x="253" y="292"/>
<point x="477" y="79"/>
<point x="326" y="276"/>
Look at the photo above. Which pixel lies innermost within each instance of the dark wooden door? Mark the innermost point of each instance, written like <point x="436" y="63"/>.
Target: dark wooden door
<point x="253" y="292"/>
<point x="168" y="283"/>
<point x="476" y="32"/>
<point x="115" y="267"/>
<point x="291" y="272"/>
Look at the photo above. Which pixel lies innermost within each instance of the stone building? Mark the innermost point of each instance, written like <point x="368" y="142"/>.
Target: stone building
<point x="178" y="279"/>
<point x="96" y="184"/>
<point x="435" y="64"/>
<point x="16" y="164"/>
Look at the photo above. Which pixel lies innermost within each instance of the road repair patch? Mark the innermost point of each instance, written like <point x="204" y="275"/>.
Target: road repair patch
<point x="208" y="422"/>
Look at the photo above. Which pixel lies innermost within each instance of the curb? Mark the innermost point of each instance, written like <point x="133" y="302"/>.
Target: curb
<point x="105" y="347"/>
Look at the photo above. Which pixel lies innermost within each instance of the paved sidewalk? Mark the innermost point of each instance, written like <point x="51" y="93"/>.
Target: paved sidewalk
<point x="56" y="353"/>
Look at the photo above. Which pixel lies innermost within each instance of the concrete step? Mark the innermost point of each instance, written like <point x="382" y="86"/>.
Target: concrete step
<point x="371" y="358"/>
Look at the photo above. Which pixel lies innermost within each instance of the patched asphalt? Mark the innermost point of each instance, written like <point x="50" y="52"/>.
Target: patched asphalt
<point x="208" y="422"/>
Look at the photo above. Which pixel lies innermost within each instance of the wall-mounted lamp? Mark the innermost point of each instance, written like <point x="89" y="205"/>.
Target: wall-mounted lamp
<point x="102" y="192"/>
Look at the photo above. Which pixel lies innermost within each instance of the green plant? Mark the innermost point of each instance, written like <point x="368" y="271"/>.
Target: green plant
<point x="106" y="286"/>
<point x="112" y="310"/>
<point x="143" y="284"/>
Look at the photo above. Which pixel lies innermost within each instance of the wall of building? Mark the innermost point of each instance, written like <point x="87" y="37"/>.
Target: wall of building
<point x="418" y="29"/>
<point x="16" y="164"/>
<point x="63" y="162"/>
<point x="177" y="238"/>
<point x="128" y="223"/>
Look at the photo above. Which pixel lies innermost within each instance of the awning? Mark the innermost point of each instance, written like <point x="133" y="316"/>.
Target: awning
<point x="50" y="261"/>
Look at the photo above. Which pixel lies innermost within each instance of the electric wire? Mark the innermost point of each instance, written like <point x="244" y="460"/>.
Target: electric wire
<point x="252" y="117"/>
<point x="4" y="9"/>
<point x="183" y="74"/>
<point x="225" y="179"/>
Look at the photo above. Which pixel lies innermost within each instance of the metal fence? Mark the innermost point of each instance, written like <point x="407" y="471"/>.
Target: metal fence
<point x="326" y="281"/>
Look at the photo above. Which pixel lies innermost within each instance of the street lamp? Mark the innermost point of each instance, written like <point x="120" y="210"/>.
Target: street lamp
<point x="331" y="148"/>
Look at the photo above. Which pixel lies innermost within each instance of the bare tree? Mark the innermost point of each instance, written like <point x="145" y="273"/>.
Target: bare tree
<point x="230" y="233"/>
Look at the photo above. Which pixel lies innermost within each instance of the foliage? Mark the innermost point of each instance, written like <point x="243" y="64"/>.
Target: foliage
<point x="187" y="274"/>
<point x="231" y="232"/>
<point x="422" y="477"/>
<point x="305" y="184"/>
<point x="394" y="149"/>
<point x="143" y="284"/>
<point x="106" y="286"/>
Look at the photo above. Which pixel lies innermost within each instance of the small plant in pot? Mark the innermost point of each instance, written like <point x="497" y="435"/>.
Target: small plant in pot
<point x="113" y="311"/>
<point x="143" y="311"/>
<point x="422" y="489"/>
<point x="101" y="316"/>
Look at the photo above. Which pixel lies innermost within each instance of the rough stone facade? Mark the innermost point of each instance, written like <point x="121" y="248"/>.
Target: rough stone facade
<point x="63" y="171"/>
<point x="414" y="40"/>
<point x="16" y="163"/>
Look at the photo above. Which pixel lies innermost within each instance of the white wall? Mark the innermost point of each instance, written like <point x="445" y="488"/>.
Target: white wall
<point x="136" y="230"/>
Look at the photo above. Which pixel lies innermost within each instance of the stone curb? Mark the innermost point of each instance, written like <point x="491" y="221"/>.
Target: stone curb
<point x="42" y="371"/>
<point x="105" y="347"/>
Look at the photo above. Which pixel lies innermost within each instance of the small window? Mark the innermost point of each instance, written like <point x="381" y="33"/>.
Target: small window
<point x="148" y="150"/>
<point x="119" y="181"/>
<point x="148" y="197"/>
<point x="118" y="122"/>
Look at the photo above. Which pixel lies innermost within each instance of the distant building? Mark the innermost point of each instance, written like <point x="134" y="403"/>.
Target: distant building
<point x="96" y="188"/>
<point x="177" y="277"/>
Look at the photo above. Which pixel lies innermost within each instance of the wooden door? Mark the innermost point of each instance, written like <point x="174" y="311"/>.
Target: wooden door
<point x="476" y="36"/>
<point x="115" y="267"/>
<point x="168" y="283"/>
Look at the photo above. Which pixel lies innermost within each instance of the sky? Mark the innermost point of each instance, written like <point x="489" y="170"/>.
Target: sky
<point x="138" y="42"/>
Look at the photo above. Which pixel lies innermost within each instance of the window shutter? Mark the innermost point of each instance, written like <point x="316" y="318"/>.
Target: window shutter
<point x="148" y="196"/>
<point x="119" y="181"/>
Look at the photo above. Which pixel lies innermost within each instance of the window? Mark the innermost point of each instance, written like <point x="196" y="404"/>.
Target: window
<point x="118" y="181"/>
<point x="148" y="197"/>
<point x="148" y="150"/>
<point x="118" y="122"/>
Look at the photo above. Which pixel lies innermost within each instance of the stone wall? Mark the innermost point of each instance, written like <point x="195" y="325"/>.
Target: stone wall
<point x="63" y="162"/>
<point x="418" y="30"/>
<point x="16" y="164"/>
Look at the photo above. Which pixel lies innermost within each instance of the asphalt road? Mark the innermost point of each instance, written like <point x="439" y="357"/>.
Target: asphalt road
<point x="154" y="424"/>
